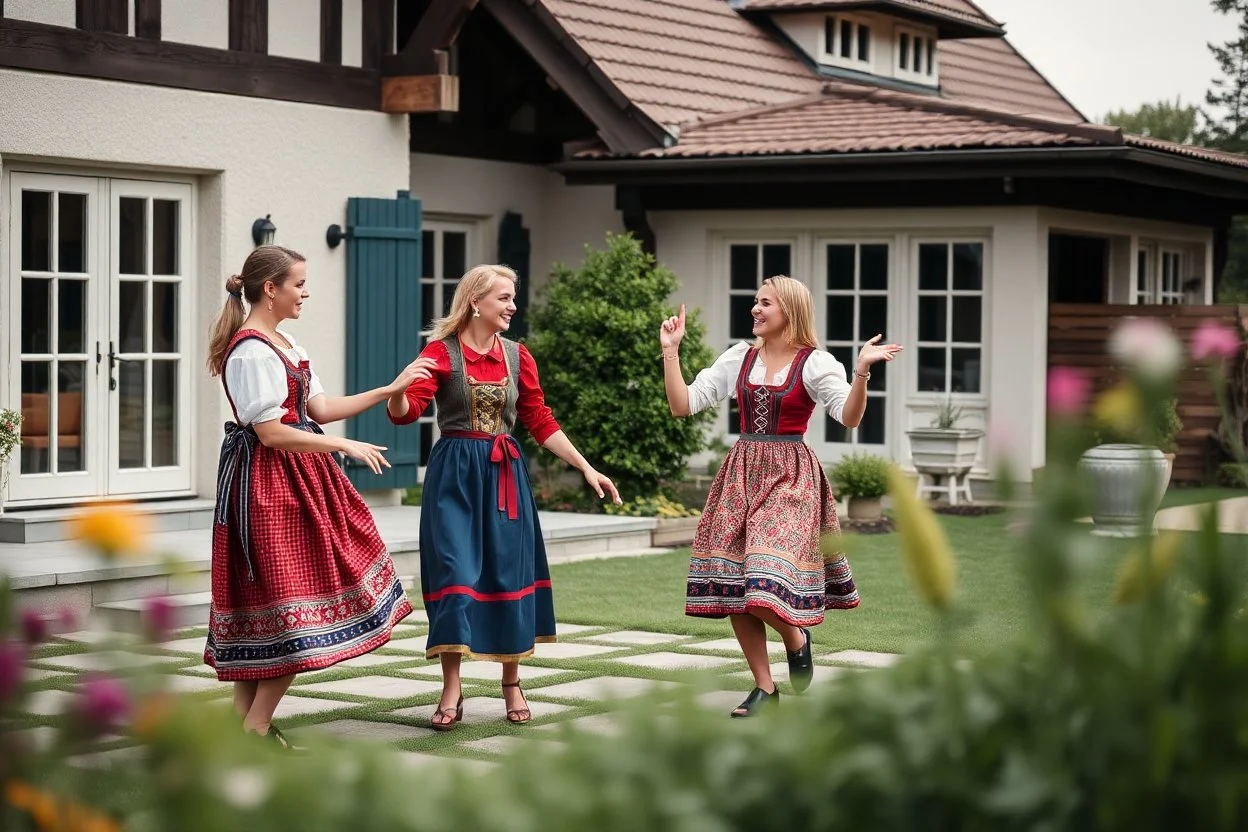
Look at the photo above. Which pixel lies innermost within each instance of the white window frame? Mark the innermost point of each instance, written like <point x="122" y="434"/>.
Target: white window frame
<point x="1145" y="277"/>
<point x="1170" y="269"/>
<point x="948" y="344"/>
<point x="833" y="56"/>
<point x="925" y="74"/>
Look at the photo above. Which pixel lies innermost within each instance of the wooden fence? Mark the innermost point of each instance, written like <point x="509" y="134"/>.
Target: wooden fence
<point x="1079" y="337"/>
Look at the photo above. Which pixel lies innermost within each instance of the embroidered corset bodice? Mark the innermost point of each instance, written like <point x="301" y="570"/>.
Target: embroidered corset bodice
<point x="774" y="410"/>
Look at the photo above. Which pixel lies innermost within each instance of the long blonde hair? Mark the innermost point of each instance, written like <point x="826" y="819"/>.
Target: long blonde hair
<point x="267" y="264"/>
<point x="474" y="285"/>
<point x="798" y="308"/>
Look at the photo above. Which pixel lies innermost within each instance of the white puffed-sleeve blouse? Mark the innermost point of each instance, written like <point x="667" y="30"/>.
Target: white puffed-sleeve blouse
<point x="256" y="379"/>
<point x="824" y="377"/>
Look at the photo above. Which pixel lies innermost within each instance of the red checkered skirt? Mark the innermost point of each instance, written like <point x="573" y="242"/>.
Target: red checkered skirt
<point x="316" y="587"/>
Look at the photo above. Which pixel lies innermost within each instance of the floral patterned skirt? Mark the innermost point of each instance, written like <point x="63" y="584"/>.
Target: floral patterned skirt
<point x="758" y="542"/>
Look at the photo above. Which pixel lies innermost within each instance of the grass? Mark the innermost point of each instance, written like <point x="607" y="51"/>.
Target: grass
<point x="1192" y="496"/>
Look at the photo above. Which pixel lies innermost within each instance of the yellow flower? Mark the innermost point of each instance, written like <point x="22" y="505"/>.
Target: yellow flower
<point x="923" y="545"/>
<point x="114" y="528"/>
<point x="1130" y="585"/>
<point x="1120" y="408"/>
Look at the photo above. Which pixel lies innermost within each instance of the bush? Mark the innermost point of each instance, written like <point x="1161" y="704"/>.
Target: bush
<point x="863" y="476"/>
<point x="660" y="506"/>
<point x="595" y="339"/>
<point x="1164" y="433"/>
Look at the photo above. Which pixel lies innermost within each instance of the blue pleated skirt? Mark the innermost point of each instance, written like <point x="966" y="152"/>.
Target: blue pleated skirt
<point x="483" y="574"/>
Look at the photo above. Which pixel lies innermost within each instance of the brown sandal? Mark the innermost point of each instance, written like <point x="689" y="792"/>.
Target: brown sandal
<point x="444" y="719"/>
<point x="518" y="716"/>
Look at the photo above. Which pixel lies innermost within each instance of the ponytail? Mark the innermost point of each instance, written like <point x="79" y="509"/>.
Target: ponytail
<point x="226" y="326"/>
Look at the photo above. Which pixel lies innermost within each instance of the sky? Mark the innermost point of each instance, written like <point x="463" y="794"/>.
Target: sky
<point x="1108" y="55"/>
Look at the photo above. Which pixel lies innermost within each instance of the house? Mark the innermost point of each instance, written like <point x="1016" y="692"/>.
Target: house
<point x="900" y="156"/>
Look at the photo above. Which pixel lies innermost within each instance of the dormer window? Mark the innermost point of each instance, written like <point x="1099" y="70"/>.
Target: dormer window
<point x="915" y="55"/>
<point x="846" y="42"/>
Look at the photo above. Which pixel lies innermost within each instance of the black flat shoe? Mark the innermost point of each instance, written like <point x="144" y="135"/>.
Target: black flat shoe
<point x="757" y="702"/>
<point x="801" y="666"/>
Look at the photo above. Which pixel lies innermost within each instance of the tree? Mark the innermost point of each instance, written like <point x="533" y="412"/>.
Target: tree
<point x="1226" y="128"/>
<point x="596" y="341"/>
<point x="1172" y="122"/>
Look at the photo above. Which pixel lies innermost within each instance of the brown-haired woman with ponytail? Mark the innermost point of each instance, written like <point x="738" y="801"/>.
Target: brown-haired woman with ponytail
<point x="300" y="578"/>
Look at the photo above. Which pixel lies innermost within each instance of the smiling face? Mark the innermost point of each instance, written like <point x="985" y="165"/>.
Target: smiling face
<point x="769" y="320"/>
<point x="289" y="296"/>
<point x="498" y="304"/>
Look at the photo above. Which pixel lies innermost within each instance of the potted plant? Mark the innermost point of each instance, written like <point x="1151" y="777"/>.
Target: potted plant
<point x="10" y="438"/>
<point x="944" y="449"/>
<point x="863" y="479"/>
<point x="1129" y="458"/>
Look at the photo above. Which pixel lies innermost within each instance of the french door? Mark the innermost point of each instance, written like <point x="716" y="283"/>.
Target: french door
<point x="98" y="316"/>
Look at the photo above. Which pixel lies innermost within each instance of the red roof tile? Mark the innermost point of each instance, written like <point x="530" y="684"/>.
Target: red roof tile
<point x="955" y="10"/>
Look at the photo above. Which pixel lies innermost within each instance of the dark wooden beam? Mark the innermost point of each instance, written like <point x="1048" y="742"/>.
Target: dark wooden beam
<point x="102" y="16"/>
<point x="430" y="135"/>
<point x="420" y="94"/>
<point x="331" y="31"/>
<point x="433" y="36"/>
<point x="42" y="48"/>
<point x="249" y="26"/>
<point x="147" y="19"/>
<point x="621" y="124"/>
<point x="377" y="30"/>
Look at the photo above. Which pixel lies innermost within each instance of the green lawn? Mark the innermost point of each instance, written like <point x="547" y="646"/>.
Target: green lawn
<point x="1192" y="496"/>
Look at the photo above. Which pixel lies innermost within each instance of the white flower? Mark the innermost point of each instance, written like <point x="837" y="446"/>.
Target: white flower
<point x="1149" y="346"/>
<point x="245" y="788"/>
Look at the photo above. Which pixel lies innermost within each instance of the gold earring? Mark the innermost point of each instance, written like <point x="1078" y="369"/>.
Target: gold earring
<point x="270" y="306"/>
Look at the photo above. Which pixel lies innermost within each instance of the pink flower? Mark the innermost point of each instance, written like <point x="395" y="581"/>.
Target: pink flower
<point x="34" y="627"/>
<point x="1214" y="340"/>
<point x="1068" y="390"/>
<point x="12" y="658"/>
<point x="159" y="618"/>
<point x="103" y="703"/>
<point x="66" y="620"/>
<point x="1147" y="345"/>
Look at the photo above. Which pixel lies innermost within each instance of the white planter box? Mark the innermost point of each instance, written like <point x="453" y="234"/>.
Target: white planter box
<point x="943" y="452"/>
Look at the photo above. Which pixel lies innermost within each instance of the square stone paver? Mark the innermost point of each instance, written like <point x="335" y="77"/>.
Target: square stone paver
<point x="569" y="650"/>
<point x="730" y="645"/>
<point x="607" y="725"/>
<point x="111" y="660"/>
<point x="375" y="687"/>
<point x="485" y="671"/>
<point x="47" y="702"/>
<point x="601" y="688"/>
<point x="115" y="758"/>
<point x="34" y="674"/>
<point x="721" y="700"/>
<point x="780" y="673"/>
<point x="293" y="706"/>
<point x="193" y="646"/>
<point x="359" y="729"/>
<point x="575" y="629"/>
<point x="417" y="618"/>
<point x="506" y="745"/>
<point x="410" y="644"/>
<point x="196" y="684"/>
<point x="38" y="739"/>
<point x="480" y="710"/>
<point x="861" y="658"/>
<point x="371" y="660"/>
<point x="97" y="637"/>
<point x="666" y="660"/>
<point x="417" y="760"/>
<point x="636" y="638"/>
<point x="199" y="670"/>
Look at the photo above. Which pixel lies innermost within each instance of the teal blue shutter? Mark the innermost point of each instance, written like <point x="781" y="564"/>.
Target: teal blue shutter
<point x="383" y="326"/>
<point x="513" y="251"/>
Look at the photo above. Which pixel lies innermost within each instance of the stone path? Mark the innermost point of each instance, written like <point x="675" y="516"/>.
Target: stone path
<point x="1232" y="516"/>
<point x="580" y="683"/>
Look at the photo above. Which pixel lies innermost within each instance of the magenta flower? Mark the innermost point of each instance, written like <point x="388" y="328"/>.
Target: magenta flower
<point x="1068" y="391"/>
<point x="34" y="627"/>
<point x="158" y="616"/>
<point x="66" y="620"/>
<point x="103" y="702"/>
<point x="12" y="662"/>
<point x="1214" y="340"/>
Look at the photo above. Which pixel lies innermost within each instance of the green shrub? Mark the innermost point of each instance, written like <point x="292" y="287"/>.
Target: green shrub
<point x="596" y="341"/>
<point x="1164" y="433"/>
<point x="860" y="475"/>
<point x="660" y="506"/>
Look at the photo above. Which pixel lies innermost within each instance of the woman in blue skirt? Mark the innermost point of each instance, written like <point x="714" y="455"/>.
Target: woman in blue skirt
<point x="483" y="567"/>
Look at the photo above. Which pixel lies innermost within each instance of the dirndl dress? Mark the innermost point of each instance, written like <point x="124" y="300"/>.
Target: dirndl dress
<point x="483" y="570"/>
<point x="758" y="541"/>
<point x="301" y="580"/>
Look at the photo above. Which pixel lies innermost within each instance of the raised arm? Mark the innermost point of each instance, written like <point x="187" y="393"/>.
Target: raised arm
<point x="405" y="405"/>
<point x="325" y="409"/>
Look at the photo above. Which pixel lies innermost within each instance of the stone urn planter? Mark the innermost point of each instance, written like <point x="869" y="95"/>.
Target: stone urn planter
<point x="674" y="531"/>
<point x="864" y="509"/>
<point x="1128" y="484"/>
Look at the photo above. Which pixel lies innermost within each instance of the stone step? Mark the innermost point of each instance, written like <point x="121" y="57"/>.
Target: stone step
<point x="189" y="610"/>
<point x="51" y="524"/>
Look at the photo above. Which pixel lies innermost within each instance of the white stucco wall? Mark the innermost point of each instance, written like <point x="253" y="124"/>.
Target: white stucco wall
<point x="51" y="12"/>
<point x="561" y="219"/>
<point x="197" y="22"/>
<point x="295" y="29"/>
<point x="248" y="157"/>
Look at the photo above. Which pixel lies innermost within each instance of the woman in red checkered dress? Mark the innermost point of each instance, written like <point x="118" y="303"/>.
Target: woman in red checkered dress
<point x="300" y="578"/>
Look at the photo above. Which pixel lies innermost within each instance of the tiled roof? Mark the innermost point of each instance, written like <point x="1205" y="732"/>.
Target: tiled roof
<point x="683" y="60"/>
<point x="958" y="10"/>
<point x="1202" y="153"/>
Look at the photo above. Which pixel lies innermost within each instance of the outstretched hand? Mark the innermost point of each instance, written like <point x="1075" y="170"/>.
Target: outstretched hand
<point x="418" y="369"/>
<point x="602" y="485"/>
<point x="672" y="332"/>
<point x="873" y="352"/>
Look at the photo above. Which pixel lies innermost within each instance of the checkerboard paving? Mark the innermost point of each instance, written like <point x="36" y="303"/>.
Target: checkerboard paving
<point x="581" y="684"/>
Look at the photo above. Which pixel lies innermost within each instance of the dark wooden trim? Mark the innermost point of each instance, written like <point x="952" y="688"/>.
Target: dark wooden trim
<point x="633" y="211"/>
<point x="42" y="48"/>
<point x="147" y="19"/>
<point x="249" y="26"/>
<point x="102" y="16"/>
<point x="430" y="40"/>
<point x="331" y="32"/>
<point x="429" y="135"/>
<point x="419" y="94"/>
<point x="624" y="127"/>
<point x="377" y="30"/>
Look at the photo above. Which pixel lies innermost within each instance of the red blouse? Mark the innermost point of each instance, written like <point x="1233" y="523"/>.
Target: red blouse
<point x="531" y="406"/>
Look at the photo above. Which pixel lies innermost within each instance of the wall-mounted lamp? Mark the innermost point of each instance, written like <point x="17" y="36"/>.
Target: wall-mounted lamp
<point x="263" y="231"/>
<point x="335" y="234"/>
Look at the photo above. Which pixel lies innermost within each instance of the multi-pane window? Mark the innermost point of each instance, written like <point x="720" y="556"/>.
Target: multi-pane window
<point x="846" y="41"/>
<point x="444" y="259"/>
<point x="1162" y="284"/>
<point x="856" y="310"/>
<point x="749" y="264"/>
<point x="1170" y="281"/>
<point x="950" y="317"/>
<point x="915" y="55"/>
<point x="1143" y="277"/>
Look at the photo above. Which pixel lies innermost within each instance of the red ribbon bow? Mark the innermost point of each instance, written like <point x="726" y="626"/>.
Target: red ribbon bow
<point x="505" y="449"/>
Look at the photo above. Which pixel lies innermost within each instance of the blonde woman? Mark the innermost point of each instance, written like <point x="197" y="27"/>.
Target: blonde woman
<point x="756" y="554"/>
<point x="483" y="567"/>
